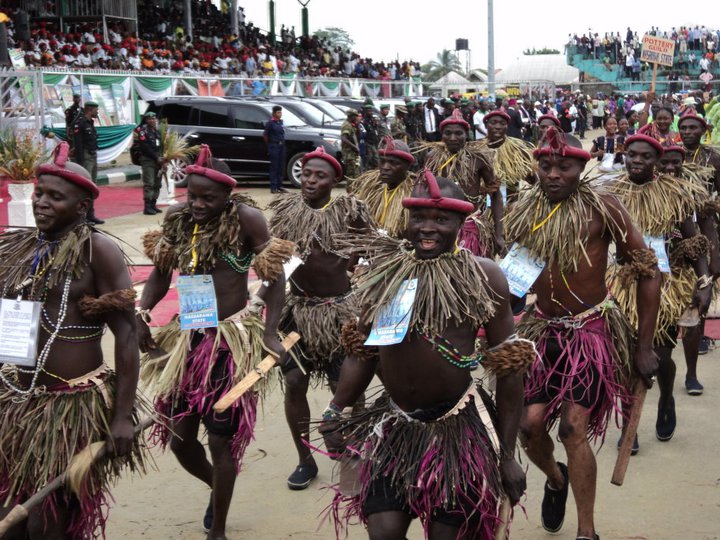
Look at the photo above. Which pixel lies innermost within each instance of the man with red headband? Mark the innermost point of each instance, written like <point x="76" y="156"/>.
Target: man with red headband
<point x="320" y="299"/>
<point x="384" y="188"/>
<point x="683" y="258"/>
<point x="65" y="282"/>
<point x="212" y="240"/>
<point x="468" y="164"/>
<point x="563" y="227"/>
<point x="460" y="454"/>
<point x="703" y="157"/>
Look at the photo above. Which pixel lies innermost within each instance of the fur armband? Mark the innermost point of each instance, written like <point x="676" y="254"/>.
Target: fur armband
<point x="354" y="342"/>
<point x="514" y="355"/>
<point x="643" y="265"/>
<point x="710" y="208"/>
<point x="159" y="251"/>
<point x="121" y="300"/>
<point x="692" y="248"/>
<point x="269" y="262"/>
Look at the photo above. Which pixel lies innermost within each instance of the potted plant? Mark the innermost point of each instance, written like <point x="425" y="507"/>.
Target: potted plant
<point x="20" y="153"/>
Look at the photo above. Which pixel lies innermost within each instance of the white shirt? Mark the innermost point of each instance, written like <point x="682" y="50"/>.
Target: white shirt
<point x="480" y="129"/>
<point x="430" y="126"/>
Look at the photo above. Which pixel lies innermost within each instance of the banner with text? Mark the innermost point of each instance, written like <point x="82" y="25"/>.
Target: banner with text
<point x="657" y="50"/>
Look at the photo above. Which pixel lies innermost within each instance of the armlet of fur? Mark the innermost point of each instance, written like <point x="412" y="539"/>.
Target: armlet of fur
<point x="711" y="208"/>
<point x="515" y="355"/>
<point x="120" y="300"/>
<point x="159" y="251"/>
<point x="694" y="248"/>
<point x="643" y="265"/>
<point x="354" y="342"/>
<point x="269" y="262"/>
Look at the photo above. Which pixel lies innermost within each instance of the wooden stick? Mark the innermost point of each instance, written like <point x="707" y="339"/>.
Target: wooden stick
<point x="623" y="458"/>
<point x="504" y="515"/>
<point x="654" y="78"/>
<point x="20" y="511"/>
<point x="254" y="376"/>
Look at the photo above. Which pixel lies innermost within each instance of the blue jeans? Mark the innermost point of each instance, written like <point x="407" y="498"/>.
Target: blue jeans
<point x="276" y="152"/>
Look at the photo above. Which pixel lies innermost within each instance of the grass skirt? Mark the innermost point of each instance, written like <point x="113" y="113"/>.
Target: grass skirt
<point x="600" y="338"/>
<point x="39" y="437"/>
<point x="183" y="376"/>
<point x="449" y="463"/>
<point x="319" y="321"/>
<point x="477" y="234"/>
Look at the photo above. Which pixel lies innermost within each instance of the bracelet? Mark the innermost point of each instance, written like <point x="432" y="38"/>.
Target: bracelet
<point x="704" y="281"/>
<point x="144" y="314"/>
<point x="332" y="412"/>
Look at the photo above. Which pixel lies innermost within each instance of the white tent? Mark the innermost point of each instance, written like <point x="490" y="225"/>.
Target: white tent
<point x="539" y="67"/>
<point x="452" y="83"/>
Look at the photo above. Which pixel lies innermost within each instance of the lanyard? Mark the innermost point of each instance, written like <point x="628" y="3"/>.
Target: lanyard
<point x="387" y="200"/>
<point x="538" y="226"/>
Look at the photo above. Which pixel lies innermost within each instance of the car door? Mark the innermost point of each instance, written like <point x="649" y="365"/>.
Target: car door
<point x="211" y="128"/>
<point x="250" y="155"/>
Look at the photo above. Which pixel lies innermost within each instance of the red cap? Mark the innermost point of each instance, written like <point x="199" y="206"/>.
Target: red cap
<point x="676" y="148"/>
<point x="199" y="168"/>
<point x="455" y="118"/>
<point x="320" y="153"/>
<point x="690" y="114"/>
<point x="554" y="143"/>
<point x="58" y="168"/>
<point x="436" y="200"/>
<point x="639" y="137"/>
<point x="551" y="117"/>
<point x="497" y="112"/>
<point x="390" y="147"/>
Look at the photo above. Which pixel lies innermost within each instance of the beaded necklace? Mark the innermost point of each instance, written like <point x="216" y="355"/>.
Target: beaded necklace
<point x="448" y="351"/>
<point x="567" y="286"/>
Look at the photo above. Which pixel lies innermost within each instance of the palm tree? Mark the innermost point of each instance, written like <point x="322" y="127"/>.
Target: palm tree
<point x="445" y="62"/>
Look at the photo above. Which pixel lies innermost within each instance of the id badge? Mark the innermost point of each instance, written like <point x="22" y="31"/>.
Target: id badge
<point x="19" y="330"/>
<point x="198" y="304"/>
<point x="521" y="269"/>
<point x="392" y="323"/>
<point x="657" y="244"/>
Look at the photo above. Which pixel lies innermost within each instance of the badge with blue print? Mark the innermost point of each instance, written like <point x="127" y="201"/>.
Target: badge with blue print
<point x="657" y="244"/>
<point x="521" y="270"/>
<point x="198" y="304"/>
<point x="392" y="323"/>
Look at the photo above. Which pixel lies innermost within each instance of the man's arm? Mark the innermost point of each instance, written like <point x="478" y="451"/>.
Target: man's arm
<point x="702" y="294"/>
<point x="78" y="140"/>
<point x="509" y="388"/>
<point x="111" y="274"/>
<point x="629" y="243"/>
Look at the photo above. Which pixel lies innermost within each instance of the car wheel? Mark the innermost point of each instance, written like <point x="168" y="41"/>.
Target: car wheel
<point x="176" y="172"/>
<point x="294" y="169"/>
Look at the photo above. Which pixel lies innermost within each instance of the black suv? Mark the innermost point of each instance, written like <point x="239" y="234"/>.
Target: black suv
<point x="233" y="129"/>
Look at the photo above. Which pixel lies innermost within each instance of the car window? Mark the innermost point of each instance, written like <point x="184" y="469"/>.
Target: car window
<point x="329" y="109"/>
<point x="175" y="113"/>
<point x="290" y="119"/>
<point x="212" y="115"/>
<point x="249" y="117"/>
<point x="313" y="114"/>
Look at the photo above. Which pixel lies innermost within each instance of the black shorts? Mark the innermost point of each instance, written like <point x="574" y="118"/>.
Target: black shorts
<point x="671" y="341"/>
<point x="329" y="368"/>
<point x="580" y="395"/>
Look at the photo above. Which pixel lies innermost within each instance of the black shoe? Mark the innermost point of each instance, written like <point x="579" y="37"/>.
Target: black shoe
<point x="693" y="387"/>
<point x="553" y="504"/>
<point x="302" y="476"/>
<point x="666" y="421"/>
<point x="148" y="210"/>
<point x="155" y="208"/>
<point x="635" y="446"/>
<point x="95" y="220"/>
<point x="273" y="190"/>
<point x="207" y="522"/>
<point x="282" y="190"/>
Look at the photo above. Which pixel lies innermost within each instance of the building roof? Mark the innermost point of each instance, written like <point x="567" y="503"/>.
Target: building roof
<point x="451" y="78"/>
<point x="539" y="67"/>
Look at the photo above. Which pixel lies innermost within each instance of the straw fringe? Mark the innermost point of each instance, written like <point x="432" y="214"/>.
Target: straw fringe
<point x="269" y="262"/>
<point x="463" y="169"/>
<point x="512" y="161"/>
<point x="120" y="300"/>
<point x="368" y="188"/>
<point x="563" y="238"/>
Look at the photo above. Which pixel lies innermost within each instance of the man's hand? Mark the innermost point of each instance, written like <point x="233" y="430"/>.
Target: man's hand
<point x="500" y="247"/>
<point x="274" y="345"/>
<point x="145" y="339"/>
<point x="701" y="299"/>
<point x="334" y="439"/>
<point x="122" y="435"/>
<point x="513" y="479"/>
<point x="646" y="364"/>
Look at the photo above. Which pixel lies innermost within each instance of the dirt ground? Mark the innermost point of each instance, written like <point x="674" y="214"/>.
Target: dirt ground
<point x="671" y="492"/>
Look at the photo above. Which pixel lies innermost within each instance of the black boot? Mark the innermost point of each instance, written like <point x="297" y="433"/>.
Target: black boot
<point x="155" y="208"/>
<point x="148" y="210"/>
<point x="91" y="217"/>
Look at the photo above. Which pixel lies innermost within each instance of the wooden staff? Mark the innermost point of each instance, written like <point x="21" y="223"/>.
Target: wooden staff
<point x="623" y="458"/>
<point x="504" y="515"/>
<point x="654" y="78"/>
<point x="254" y="376"/>
<point x="82" y="460"/>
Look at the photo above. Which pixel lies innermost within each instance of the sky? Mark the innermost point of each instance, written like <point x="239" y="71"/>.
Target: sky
<point x="398" y="29"/>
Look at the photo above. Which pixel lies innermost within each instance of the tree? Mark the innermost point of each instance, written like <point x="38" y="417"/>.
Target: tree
<point x="335" y="37"/>
<point x="445" y="62"/>
<point x="544" y="50"/>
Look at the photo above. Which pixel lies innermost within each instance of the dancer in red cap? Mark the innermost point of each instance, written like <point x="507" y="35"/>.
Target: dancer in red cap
<point x="584" y="342"/>
<point x="456" y="455"/>
<point x="659" y="204"/>
<point x="384" y="188"/>
<point x="57" y="394"/>
<point x="320" y="300"/>
<point x="212" y="240"/>
<point x="468" y="164"/>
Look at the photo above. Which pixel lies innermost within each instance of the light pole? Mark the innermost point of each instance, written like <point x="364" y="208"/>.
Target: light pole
<point x="491" y="50"/>
<point x="305" y="18"/>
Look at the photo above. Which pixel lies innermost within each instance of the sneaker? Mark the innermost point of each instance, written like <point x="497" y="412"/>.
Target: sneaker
<point x="706" y="344"/>
<point x="207" y="521"/>
<point x="302" y="476"/>
<point x="693" y="387"/>
<point x="553" y="504"/>
<point x="666" y="421"/>
<point x="635" y="446"/>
